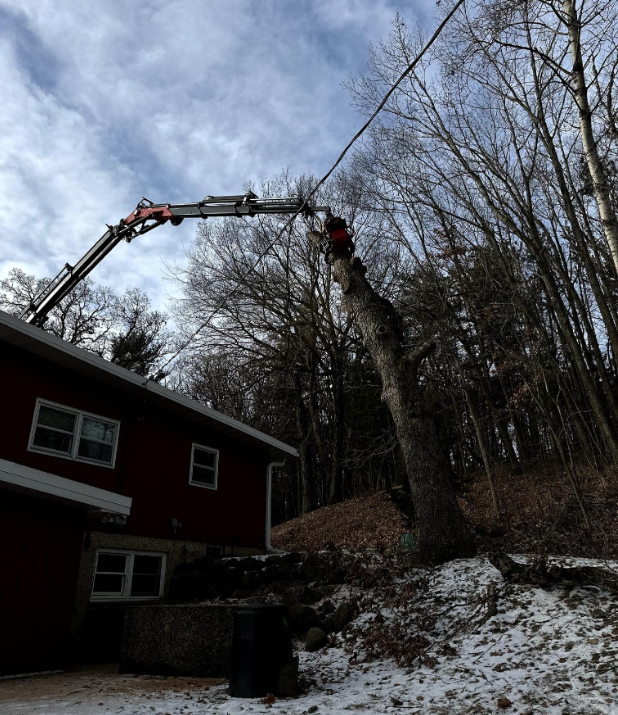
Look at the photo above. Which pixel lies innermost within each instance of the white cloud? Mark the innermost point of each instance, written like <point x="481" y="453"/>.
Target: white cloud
<point x="105" y="102"/>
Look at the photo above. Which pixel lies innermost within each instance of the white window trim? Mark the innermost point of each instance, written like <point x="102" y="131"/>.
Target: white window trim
<point x="129" y="575"/>
<point x="80" y="414"/>
<point x="206" y="449"/>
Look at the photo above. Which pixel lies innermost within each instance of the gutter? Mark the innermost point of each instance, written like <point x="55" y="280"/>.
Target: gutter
<point x="269" y="490"/>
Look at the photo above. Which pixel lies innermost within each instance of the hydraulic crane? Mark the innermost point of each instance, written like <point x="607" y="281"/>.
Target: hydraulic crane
<point x="148" y="215"/>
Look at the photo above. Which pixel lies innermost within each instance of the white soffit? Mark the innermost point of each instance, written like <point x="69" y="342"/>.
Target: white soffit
<point x="43" y="484"/>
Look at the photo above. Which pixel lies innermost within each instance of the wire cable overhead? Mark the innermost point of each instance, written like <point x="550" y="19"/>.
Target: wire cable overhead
<point x="326" y="176"/>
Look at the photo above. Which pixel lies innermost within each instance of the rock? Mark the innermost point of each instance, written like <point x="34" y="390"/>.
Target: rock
<point x="242" y="593"/>
<point x="330" y="574"/>
<point x="326" y="608"/>
<point x="291" y="558"/>
<point x="342" y="616"/>
<point x="250" y="564"/>
<point x="302" y="618"/>
<point x="310" y="568"/>
<point x="290" y="597"/>
<point x="232" y="575"/>
<point x="310" y="595"/>
<point x="300" y="594"/>
<point x="315" y="639"/>
<point x="223" y="591"/>
<point x="280" y="587"/>
<point x="326" y="591"/>
<point x="287" y="677"/>
<point x="248" y="580"/>
<point x="274" y="572"/>
<point x="209" y="565"/>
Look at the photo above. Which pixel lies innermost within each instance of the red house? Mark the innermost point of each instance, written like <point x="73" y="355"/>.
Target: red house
<point x="108" y="481"/>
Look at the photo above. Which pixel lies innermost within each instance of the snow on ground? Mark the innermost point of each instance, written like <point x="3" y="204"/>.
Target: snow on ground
<point x="545" y="651"/>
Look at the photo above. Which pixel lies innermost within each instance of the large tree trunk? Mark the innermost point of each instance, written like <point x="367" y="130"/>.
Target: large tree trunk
<point x="443" y="534"/>
<point x="338" y="432"/>
<point x="306" y="456"/>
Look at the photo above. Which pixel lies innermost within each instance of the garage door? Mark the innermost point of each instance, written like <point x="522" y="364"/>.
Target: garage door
<point x="40" y="546"/>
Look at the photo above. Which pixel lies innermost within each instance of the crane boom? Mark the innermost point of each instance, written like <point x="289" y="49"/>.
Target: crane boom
<point x="144" y="218"/>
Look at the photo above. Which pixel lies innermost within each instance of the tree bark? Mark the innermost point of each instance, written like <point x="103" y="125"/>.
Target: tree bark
<point x="591" y="152"/>
<point x="547" y="575"/>
<point x="486" y="459"/>
<point x="306" y="457"/>
<point x="443" y="533"/>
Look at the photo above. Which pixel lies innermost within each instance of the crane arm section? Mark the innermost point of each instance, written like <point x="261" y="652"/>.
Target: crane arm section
<point x="144" y="218"/>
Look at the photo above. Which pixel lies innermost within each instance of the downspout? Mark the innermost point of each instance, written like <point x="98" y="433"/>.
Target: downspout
<point x="269" y="489"/>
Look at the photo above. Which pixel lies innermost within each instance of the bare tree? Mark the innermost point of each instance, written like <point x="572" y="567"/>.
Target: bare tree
<point x="442" y="528"/>
<point x="285" y="329"/>
<point x="123" y="329"/>
<point x="477" y="167"/>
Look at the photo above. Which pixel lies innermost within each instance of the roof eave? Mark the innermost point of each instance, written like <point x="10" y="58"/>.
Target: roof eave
<point x="44" y="344"/>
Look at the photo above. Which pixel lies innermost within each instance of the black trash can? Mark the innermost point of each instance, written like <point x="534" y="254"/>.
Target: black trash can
<point x="261" y="651"/>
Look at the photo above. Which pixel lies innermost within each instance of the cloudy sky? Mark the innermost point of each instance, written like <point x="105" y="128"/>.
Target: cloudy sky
<point x="105" y="102"/>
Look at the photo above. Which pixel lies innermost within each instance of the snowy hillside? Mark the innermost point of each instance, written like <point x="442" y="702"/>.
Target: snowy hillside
<point x="544" y="651"/>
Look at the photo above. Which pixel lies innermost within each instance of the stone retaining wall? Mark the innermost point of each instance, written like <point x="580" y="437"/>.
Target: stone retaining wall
<point x="185" y="639"/>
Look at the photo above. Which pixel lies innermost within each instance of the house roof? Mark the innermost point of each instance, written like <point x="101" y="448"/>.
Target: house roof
<point x="39" y="342"/>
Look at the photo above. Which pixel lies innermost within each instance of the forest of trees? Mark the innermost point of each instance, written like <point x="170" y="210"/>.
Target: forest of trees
<point x="483" y="199"/>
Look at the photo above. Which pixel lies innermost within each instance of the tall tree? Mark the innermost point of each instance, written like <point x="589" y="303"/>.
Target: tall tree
<point x="442" y="529"/>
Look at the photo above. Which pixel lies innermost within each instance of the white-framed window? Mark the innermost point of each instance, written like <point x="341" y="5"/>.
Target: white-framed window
<point x="204" y="466"/>
<point x="121" y="575"/>
<point x="73" y="434"/>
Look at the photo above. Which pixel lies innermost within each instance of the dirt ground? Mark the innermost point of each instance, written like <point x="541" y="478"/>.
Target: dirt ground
<point x="96" y="689"/>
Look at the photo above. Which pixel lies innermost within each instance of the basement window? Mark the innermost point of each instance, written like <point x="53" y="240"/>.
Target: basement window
<point x="73" y="434"/>
<point x="204" y="467"/>
<point x="128" y="575"/>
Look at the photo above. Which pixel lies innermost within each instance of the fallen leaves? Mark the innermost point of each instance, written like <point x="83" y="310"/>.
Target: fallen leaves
<point x="372" y="521"/>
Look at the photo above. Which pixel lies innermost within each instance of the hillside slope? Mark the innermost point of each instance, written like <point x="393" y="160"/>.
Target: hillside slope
<point x="373" y="521"/>
<point x="539" y="515"/>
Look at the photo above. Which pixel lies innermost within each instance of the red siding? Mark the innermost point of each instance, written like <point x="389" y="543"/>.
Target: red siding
<point x="40" y="547"/>
<point x="157" y="476"/>
<point x="153" y="457"/>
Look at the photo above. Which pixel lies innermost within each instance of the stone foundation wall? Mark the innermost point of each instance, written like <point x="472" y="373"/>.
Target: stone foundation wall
<point x="102" y="621"/>
<point x="193" y="640"/>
